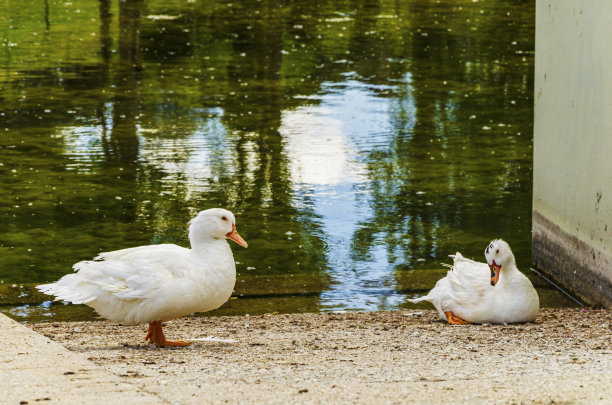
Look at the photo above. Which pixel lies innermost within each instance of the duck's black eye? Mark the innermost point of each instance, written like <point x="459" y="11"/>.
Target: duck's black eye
<point x="224" y="218"/>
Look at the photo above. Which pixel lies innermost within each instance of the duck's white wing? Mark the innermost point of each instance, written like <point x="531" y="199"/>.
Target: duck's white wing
<point x="125" y="274"/>
<point x="165" y="254"/>
<point x="468" y="284"/>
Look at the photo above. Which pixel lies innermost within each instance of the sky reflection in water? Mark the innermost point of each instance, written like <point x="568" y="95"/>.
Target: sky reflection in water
<point x="325" y="144"/>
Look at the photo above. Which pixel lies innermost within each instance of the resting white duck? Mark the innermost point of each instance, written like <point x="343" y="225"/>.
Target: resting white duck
<point x="492" y="292"/>
<point x="157" y="283"/>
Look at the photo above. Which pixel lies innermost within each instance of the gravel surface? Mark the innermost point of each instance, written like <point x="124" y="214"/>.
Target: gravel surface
<point x="383" y="357"/>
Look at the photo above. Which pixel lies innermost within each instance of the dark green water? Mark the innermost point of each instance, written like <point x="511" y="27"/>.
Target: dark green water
<point x="358" y="143"/>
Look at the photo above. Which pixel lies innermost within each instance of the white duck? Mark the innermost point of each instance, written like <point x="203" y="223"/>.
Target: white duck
<point x="152" y="284"/>
<point x="495" y="292"/>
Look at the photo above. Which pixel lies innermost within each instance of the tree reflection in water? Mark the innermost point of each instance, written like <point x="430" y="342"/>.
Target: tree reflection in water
<point x="354" y="141"/>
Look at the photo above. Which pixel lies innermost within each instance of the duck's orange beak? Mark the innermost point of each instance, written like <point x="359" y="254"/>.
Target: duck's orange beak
<point x="233" y="235"/>
<point x="494" y="273"/>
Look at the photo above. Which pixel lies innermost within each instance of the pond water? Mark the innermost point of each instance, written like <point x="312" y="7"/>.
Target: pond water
<point x="358" y="143"/>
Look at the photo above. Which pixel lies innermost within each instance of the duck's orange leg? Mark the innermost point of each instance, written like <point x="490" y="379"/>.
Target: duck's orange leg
<point x="156" y="335"/>
<point x="455" y="320"/>
<point x="149" y="333"/>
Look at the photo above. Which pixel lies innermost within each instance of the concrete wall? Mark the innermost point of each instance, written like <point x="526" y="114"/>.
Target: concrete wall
<point x="572" y="191"/>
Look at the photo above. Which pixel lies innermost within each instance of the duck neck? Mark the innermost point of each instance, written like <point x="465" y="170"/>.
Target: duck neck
<point x="205" y="245"/>
<point x="507" y="270"/>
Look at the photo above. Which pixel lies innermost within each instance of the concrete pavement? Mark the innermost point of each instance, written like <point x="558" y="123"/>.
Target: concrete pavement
<point x="36" y="370"/>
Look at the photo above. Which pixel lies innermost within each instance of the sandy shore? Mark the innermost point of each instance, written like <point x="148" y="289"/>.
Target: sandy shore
<point x="383" y="357"/>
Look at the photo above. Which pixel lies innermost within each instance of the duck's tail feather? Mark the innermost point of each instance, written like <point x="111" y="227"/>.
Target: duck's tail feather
<point x="419" y="299"/>
<point x="63" y="291"/>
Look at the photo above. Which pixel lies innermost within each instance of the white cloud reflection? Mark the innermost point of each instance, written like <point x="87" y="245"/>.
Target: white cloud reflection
<point x="318" y="149"/>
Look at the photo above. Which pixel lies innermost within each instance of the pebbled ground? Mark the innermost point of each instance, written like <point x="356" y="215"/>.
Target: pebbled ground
<point x="382" y="357"/>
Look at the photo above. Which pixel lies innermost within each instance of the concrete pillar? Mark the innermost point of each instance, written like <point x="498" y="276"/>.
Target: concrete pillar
<point x="572" y="174"/>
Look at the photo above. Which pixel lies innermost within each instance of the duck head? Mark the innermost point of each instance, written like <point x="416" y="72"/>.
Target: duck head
<point x="216" y="223"/>
<point x="499" y="256"/>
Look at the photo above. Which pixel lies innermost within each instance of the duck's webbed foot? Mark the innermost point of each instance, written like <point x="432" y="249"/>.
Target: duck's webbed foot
<point x="455" y="320"/>
<point x="156" y="335"/>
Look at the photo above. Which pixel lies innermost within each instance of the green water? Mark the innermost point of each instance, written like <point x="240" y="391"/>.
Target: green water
<point x="358" y="143"/>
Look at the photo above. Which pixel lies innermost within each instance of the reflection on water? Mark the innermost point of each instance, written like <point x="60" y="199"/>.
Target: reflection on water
<point x="327" y="145"/>
<point x="358" y="144"/>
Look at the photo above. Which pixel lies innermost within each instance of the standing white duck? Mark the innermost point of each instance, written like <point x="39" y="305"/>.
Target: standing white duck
<point x="152" y="284"/>
<point x="495" y="292"/>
